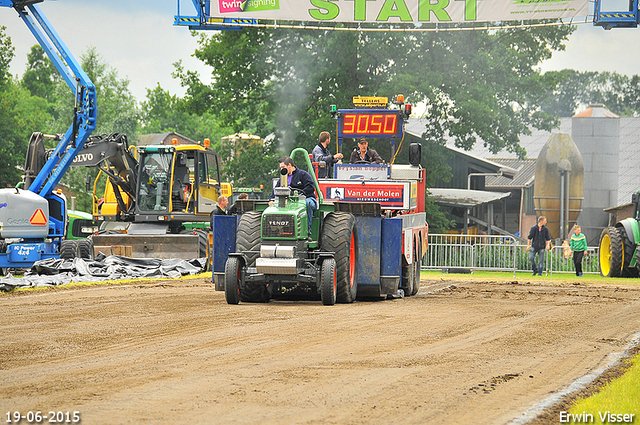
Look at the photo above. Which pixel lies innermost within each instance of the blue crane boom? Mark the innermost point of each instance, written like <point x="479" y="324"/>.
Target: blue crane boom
<point x="609" y="19"/>
<point x="33" y="221"/>
<point x="202" y="20"/>
<point x="85" y="111"/>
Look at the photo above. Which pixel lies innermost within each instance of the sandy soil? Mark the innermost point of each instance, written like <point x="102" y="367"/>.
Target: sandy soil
<point x="460" y="352"/>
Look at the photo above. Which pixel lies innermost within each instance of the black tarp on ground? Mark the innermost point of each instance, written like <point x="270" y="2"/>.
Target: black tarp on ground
<point x="54" y="272"/>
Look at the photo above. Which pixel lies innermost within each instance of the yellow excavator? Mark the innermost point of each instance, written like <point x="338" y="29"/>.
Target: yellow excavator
<point x="153" y="196"/>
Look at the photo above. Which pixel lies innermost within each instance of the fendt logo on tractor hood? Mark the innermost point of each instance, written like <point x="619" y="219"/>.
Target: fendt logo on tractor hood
<point x="278" y="223"/>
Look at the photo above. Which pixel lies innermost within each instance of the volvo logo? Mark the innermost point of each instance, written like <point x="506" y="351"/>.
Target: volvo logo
<point x="83" y="157"/>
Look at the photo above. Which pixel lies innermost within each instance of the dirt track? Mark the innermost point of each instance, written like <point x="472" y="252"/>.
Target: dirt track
<point x="175" y="352"/>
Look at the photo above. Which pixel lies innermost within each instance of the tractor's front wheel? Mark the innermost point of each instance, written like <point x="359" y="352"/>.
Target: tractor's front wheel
<point x="85" y="249"/>
<point x="3" y="249"/>
<point x="68" y="249"/>
<point x="232" y="277"/>
<point x="340" y="237"/>
<point x="611" y="258"/>
<point x="328" y="282"/>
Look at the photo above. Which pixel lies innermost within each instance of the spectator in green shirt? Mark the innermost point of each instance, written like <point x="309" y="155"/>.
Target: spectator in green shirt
<point x="578" y="246"/>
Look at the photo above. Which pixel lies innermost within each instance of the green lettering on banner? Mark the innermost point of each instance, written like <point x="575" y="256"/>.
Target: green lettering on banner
<point x="401" y="11"/>
<point x="360" y="9"/>
<point x="425" y="7"/>
<point x="331" y="11"/>
<point x="470" y="9"/>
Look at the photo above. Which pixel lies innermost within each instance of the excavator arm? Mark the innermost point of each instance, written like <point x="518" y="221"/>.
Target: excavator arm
<point x="111" y="154"/>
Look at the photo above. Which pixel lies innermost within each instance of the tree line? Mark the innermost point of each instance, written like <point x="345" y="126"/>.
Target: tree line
<point x="474" y="85"/>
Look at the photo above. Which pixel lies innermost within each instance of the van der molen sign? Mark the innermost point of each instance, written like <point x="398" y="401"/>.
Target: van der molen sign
<point x="400" y="11"/>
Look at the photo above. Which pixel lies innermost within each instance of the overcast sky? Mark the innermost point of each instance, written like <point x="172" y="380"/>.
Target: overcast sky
<point x="137" y="38"/>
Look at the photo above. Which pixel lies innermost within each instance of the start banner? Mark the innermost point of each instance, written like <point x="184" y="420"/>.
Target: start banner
<point x="400" y="11"/>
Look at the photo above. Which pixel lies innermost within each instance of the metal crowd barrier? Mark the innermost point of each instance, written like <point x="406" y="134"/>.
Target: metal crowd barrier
<point x="464" y="253"/>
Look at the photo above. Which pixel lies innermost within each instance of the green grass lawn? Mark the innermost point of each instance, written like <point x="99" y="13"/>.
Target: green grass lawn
<point x="621" y="396"/>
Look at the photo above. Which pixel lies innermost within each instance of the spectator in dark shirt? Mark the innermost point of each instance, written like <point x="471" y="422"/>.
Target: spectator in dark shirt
<point x="538" y="241"/>
<point x="221" y="209"/>
<point x="321" y="153"/>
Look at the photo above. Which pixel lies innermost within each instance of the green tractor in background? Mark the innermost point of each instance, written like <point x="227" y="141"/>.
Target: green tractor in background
<point x="619" y="254"/>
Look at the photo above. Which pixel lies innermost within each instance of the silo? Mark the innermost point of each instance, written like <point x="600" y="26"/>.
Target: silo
<point x="596" y="132"/>
<point x="559" y="179"/>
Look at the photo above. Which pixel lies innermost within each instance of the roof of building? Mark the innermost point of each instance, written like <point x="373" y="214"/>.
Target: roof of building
<point x="596" y="111"/>
<point x="628" y="160"/>
<point x="532" y="144"/>
<point x="464" y="197"/>
<point x="525" y="174"/>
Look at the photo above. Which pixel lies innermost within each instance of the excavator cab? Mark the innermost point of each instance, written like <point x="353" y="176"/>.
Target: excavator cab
<point x="178" y="183"/>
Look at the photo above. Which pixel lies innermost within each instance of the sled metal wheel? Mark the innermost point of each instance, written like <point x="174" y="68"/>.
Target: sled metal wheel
<point x="417" y="263"/>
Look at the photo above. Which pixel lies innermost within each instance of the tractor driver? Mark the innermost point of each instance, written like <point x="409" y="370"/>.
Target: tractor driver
<point x="302" y="181"/>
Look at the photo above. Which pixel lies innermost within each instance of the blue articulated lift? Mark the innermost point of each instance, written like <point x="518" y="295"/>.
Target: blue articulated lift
<point x="202" y="20"/>
<point x="609" y="19"/>
<point x="32" y="221"/>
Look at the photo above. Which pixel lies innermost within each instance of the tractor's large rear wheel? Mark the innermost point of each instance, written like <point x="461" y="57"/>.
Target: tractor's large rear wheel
<point x="611" y="257"/>
<point x="248" y="240"/>
<point x="339" y="236"/>
<point x="248" y="236"/>
<point x="629" y="248"/>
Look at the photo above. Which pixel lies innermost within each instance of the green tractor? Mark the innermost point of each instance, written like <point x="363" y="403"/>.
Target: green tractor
<point x="619" y="254"/>
<point x="275" y="257"/>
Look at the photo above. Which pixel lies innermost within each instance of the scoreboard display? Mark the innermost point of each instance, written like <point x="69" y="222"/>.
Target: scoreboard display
<point x="370" y="123"/>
